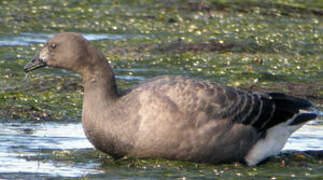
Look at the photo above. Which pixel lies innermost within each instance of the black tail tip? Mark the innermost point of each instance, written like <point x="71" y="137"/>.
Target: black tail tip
<point x="302" y="118"/>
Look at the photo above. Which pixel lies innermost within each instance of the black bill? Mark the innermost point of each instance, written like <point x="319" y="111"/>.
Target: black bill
<point x="35" y="63"/>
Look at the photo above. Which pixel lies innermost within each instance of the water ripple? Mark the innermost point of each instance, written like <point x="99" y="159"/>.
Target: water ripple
<point x="24" y="39"/>
<point x="20" y="141"/>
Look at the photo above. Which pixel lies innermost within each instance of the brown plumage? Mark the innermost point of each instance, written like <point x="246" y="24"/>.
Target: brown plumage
<point x="173" y="117"/>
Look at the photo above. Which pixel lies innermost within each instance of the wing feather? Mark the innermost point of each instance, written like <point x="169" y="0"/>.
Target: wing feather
<point x="262" y="111"/>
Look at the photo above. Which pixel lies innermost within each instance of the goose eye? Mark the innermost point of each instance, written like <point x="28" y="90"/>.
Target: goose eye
<point x="53" y="46"/>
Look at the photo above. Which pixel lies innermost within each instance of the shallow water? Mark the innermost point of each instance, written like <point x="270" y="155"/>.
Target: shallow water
<point x="23" y="145"/>
<point x="309" y="137"/>
<point x="21" y="142"/>
<point x="274" y="47"/>
<point x="25" y="39"/>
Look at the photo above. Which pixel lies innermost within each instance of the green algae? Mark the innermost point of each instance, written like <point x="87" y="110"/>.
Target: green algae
<point x="298" y="165"/>
<point x="276" y="45"/>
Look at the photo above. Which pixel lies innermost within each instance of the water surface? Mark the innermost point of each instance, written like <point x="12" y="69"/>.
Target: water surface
<point x="25" y="146"/>
<point x="272" y="46"/>
<point x="25" y="39"/>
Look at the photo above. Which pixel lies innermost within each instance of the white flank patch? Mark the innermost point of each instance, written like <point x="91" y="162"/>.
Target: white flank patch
<point x="272" y="144"/>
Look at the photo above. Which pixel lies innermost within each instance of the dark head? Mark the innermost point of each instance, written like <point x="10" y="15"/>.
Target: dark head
<point x="66" y="50"/>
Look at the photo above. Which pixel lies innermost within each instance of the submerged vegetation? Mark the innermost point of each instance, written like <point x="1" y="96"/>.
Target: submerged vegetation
<point x="265" y="46"/>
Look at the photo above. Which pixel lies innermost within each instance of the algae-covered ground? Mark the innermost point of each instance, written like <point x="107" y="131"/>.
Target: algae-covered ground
<point x="253" y="45"/>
